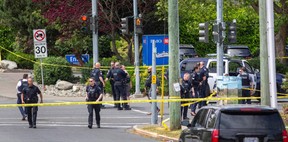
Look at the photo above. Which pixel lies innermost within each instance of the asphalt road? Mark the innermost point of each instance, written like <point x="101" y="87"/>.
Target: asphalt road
<point x="69" y="123"/>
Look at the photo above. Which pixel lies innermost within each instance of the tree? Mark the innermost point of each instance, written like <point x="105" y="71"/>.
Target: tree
<point x="281" y="25"/>
<point x="21" y="16"/>
<point x="193" y="12"/>
<point x="112" y="11"/>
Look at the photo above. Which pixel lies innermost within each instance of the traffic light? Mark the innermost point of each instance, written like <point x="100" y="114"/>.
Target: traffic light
<point x="218" y="32"/>
<point x="126" y="25"/>
<point x="232" y="32"/>
<point x="204" y="32"/>
<point x="139" y="25"/>
<point x="85" y="23"/>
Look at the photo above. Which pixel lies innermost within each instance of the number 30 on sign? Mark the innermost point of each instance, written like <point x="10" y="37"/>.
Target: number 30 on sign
<point x="40" y="50"/>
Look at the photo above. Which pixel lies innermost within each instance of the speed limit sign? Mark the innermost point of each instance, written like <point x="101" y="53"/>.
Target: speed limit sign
<point x="40" y="50"/>
<point x="40" y="45"/>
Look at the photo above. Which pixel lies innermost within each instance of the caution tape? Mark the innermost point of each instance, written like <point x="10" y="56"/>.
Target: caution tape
<point x="128" y="101"/>
<point x="129" y="68"/>
<point x="164" y="124"/>
<point x="283" y="94"/>
<point x="210" y="96"/>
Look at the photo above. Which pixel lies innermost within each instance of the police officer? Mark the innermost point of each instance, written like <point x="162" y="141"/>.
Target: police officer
<point x="195" y="79"/>
<point x="29" y="96"/>
<point x="204" y="74"/>
<point x="148" y="88"/>
<point x="186" y="90"/>
<point x="97" y="74"/>
<point x="247" y="83"/>
<point x="22" y="83"/>
<point x="109" y="77"/>
<point x="119" y="77"/>
<point x="128" y="82"/>
<point x="94" y="94"/>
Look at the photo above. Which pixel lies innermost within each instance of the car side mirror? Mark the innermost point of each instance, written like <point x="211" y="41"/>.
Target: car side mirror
<point x="257" y="70"/>
<point x="186" y="123"/>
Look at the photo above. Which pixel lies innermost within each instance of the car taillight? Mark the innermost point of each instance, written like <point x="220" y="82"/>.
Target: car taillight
<point x="215" y="135"/>
<point x="285" y="136"/>
<point x="250" y="109"/>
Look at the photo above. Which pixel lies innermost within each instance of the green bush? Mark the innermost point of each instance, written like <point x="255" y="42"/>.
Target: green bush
<point x="86" y="71"/>
<point x="25" y="63"/>
<point x="280" y="68"/>
<point x="53" y="73"/>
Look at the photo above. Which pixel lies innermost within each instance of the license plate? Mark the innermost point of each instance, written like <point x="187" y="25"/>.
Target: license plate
<point x="251" y="139"/>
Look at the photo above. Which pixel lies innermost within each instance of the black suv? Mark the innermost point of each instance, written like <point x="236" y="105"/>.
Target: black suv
<point x="241" y="51"/>
<point x="187" y="51"/>
<point x="235" y="123"/>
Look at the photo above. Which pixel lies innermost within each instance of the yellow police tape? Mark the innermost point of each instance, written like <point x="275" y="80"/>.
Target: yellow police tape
<point x="210" y="96"/>
<point x="129" y="101"/>
<point x="282" y="94"/>
<point x="141" y="68"/>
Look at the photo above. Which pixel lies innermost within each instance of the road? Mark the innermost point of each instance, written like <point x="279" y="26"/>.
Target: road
<point x="69" y="123"/>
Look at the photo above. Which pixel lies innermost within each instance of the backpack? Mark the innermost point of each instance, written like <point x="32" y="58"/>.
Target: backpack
<point x="24" y="84"/>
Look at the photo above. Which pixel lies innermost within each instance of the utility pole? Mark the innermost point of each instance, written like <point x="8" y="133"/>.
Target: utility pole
<point x="271" y="53"/>
<point x="174" y="72"/>
<point x="95" y="31"/>
<point x="220" y="44"/>
<point x="264" y="70"/>
<point x="136" y="46"/>
<point x="154" y="116"/>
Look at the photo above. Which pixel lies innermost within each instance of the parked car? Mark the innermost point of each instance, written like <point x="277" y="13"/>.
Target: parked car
<point x="231" y="67"/>
<point x="235" y="123"/>
<point x="242" y="51"/>
<point x="280" y="78"/>
<point x="187" y="51"/>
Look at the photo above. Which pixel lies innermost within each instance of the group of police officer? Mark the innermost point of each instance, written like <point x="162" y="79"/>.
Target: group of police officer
<point x="194" y="85"/>
<point x="119" y="80"/>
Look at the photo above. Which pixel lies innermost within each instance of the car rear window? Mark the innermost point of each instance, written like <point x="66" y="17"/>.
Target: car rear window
<point x="244" y="120"/>
<point x="238" y="51"/>
<point x="187" y="51"/>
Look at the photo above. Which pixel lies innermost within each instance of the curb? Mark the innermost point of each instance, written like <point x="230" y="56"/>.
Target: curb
<point x="152" y="134"/>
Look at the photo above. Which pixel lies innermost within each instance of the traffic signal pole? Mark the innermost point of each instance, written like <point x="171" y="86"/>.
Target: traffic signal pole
<point x="95" y="31"/>
<point x="136" y="46"/>
<point x="271" y="52"/>
<point x="220" y="44"/>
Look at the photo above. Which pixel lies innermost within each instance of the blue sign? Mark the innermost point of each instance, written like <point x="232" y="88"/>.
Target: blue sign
<point x="162" y="54"/>
<point x="72" y="59"/>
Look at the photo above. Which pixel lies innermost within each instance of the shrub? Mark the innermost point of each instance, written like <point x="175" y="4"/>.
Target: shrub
<point x="25" y="63"/>
<point x="280" y="68"/>
<point x="86" y="71"/>
<point x="53" y="73"/>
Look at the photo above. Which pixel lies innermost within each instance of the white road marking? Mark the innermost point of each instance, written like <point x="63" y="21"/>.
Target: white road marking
<point x="60" y="125"/>
<point x="102" y="117"/>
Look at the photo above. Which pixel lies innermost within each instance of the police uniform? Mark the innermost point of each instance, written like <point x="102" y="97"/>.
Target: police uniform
<point x="119" y="77"/>
<point x="185" y="93"/>
<point x="93" y="93"/>
<point x="23" y="83"/>
<point x="204" y="84"/>
<point x="30" y="95"/>
<point x="245" y="84"/>
<point x="148" y="87"/>
<point x="97" y="73"/>
<point x="110" y="77"/>
<point x="195" y="79"/>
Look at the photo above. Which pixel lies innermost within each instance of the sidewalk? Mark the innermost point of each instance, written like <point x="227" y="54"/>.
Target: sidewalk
<point x="8" y="82"/>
